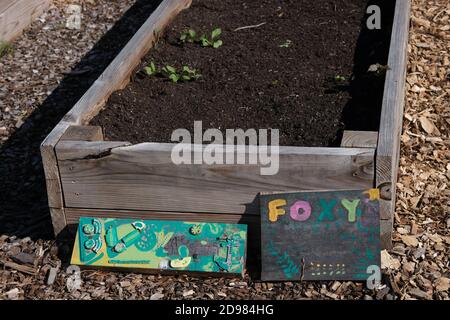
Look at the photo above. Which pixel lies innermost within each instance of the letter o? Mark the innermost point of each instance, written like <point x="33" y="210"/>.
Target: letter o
<point x="305" y="206"/>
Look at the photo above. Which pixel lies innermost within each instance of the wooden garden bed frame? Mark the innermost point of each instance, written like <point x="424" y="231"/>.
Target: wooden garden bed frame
<point x="88" y="176"/>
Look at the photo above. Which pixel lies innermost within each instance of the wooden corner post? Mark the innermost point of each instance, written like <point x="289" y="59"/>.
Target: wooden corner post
<point x="388" y="149"/>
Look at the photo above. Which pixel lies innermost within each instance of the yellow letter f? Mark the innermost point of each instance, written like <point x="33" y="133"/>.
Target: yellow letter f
<point x="274" y="211"/>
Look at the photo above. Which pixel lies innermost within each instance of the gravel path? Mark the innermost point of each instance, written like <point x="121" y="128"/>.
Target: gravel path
<point x="52" y="66"/>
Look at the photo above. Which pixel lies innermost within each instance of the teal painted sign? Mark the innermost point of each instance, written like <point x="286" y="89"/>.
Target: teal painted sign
<point x="161" y="245"/>
<point x="320" y="235"/>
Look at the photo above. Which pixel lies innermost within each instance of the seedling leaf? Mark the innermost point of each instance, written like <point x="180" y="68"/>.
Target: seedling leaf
<point x="286" y="44"/>
<point x="174" y="77"/>
<point x="216" y="33"/>
<point x="186" y="73"/>
<point x="170" y="69"/>
<point x="217" y="44"/>
<point x="188" y="36"/>
<point x="151" y="69"/>
<point x="214" y="41"/>
<point x="205" y="42"/>
<point x="148" y="71"/>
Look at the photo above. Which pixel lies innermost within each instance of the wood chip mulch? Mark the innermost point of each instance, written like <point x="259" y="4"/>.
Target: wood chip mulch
<point x="49" y="56"/>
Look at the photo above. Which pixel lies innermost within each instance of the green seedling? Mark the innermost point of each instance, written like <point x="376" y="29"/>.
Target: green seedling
<point x="186" y="74"/>
<point x="171" y="73"/>
<point x="188" y="36"/>
<point x="286" y="44"/>
<point x="151" y="69"/>
<point x="5" y="48"/>
<point x="214" y="41"/>
<point x="340" y="78"/>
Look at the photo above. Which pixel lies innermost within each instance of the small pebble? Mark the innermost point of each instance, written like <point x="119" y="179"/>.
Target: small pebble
<point x="13" y="294"/>
<point x="156" y="296"/>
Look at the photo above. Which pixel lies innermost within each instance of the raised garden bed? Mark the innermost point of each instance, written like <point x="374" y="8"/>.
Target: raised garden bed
<point x="256" y="79"/>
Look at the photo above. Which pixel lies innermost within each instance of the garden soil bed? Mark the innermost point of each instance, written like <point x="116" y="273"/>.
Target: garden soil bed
<point x="252" y="81"/>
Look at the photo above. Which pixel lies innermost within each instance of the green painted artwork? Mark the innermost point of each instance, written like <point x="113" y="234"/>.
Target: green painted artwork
<point x="160" y="245"/>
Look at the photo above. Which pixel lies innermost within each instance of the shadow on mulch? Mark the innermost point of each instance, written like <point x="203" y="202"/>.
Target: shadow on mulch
<point x="23" y="196"/>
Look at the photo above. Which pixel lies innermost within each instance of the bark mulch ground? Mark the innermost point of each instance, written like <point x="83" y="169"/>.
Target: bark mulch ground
<point x="35" y="267"/>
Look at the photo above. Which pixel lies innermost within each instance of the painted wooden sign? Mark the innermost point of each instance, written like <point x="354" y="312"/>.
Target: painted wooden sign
<point x="160" y="245"/>
<point x="320" y="235"/>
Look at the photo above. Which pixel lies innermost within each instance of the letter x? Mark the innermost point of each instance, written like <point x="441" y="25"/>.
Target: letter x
<point x="326" y="210"/>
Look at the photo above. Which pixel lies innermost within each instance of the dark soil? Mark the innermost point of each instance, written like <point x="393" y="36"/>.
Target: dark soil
<point x="252" y="82"/>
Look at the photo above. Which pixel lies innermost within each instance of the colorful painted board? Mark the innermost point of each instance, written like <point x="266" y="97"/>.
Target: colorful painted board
<point x="161" y="245"/>
<point x="320" y="235"/>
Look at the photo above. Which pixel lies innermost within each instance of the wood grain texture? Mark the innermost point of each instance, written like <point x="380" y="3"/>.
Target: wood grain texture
<point x="386" y="227"/>
<point x="59" y="221"/>
<point x="16" y="15"/>
<point x="83" y="133"/>
<point x="143" y="177"/>
<point x="359" y="139"/>
<point x="52" y="178"/>
<point x="388" y="149"/>
<point x="79" y="150"/>
<point x="5" y="4"/>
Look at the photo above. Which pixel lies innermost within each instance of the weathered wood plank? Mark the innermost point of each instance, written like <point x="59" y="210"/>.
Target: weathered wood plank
<point x="386" y="227"/>
<point x="52" y="178"/>
<point x="117" y="74"/>
<point x="143" y="177"/>
<point x="74" y="150"/>
<point x="83" y="133"/>
<point x="58" y="219"/>
<point x="5" y="4"/>
<point x="359" y="139"/>
<point x="387" y="158"/>
<point x="16" y="15"/>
